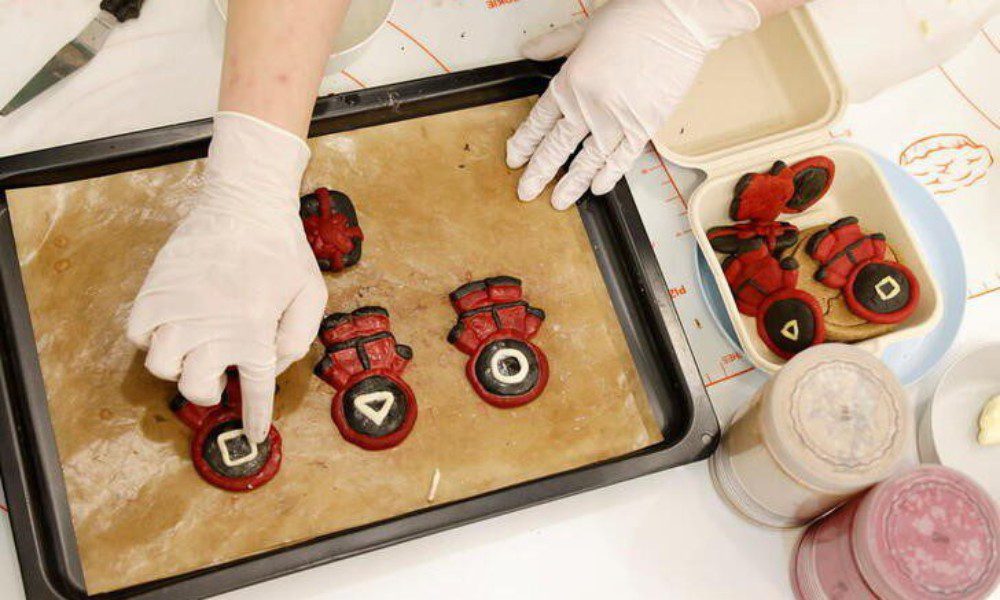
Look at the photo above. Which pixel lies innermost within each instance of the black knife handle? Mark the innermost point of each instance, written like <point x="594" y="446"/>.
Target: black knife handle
<point x="123" y="10"/>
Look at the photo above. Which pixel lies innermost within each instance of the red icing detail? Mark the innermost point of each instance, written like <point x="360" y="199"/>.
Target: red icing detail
<point x="763" y="196"/>
<point x="364" y="332"/>
<point x="819" y="331"/>
<point x="203" y="419"/>
<point x="843" y="250"/>
<point x="488" y="311"/>
<point x="895" y="317"/>
<point x="330" y="234"/>
<point x="754" y="275"/>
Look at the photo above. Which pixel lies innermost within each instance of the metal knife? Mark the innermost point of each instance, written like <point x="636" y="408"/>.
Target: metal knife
<point x="77" y="52"/>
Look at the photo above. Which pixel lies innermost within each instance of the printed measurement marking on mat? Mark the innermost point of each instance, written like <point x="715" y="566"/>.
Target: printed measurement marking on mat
<point x="661" y="191"/>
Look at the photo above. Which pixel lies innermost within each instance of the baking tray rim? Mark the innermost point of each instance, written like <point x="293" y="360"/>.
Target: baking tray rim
<point x="29" y="464"/>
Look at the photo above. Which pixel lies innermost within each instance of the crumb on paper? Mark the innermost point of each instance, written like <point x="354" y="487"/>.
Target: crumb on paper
<point x="435" y="480"/>
<point x="925" y="27"/>
<point x="989" y="422"/>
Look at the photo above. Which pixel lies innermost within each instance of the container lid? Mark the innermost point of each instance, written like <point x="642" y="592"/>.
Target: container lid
<point x="835" y="418"/>
<point x="931" y="533"/>
<point x="760" y="96"/>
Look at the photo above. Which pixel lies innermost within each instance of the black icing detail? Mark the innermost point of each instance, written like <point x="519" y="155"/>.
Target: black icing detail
<point x="786" y="240"/>
<point x="370" y="310"/>
<point x="809" y="184"/>
<point x="364" y="424"/>
<point x="177" y="402"/>
<point x="789" y="263"/>
<point x="404" y="351"/>
<point x="491" y="384"/>
<point x="872" y="278"/>
<point x="238" y="447"/>
<point x="778" y="167"/>
<point x="502" y="280"/>
<point x="779" y="318"/>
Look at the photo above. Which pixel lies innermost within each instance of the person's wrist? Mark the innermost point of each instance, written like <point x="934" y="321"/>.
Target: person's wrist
<point x="712" y="22"/>
<point x="252" y="159"/>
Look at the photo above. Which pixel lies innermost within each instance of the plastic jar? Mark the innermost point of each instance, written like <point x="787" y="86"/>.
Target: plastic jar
<point x="832" y="422"/>
<point x="929" y="534"/>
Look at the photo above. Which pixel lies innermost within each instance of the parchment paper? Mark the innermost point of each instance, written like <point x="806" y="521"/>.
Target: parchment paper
<point x="438" y="208"/>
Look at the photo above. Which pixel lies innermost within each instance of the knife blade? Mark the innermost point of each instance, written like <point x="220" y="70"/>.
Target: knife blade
<point x="77" y="52"/>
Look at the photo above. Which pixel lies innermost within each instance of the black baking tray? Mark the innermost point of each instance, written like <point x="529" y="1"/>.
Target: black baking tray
<point x="29" y="461"/>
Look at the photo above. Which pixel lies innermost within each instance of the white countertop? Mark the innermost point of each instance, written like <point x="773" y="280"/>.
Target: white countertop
<point x="668" y="534"/>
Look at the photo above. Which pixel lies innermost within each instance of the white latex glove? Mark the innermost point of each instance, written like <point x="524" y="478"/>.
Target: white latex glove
<point x="629" y="65"/>
<point x="236" y="283"/>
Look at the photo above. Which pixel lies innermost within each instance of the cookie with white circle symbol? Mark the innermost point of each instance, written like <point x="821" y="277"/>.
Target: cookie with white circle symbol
<point x="373" y="407"/>
<point x="495" y="326"/>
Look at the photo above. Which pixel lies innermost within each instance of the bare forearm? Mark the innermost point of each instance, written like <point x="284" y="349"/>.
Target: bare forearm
<point x="275" y="52"/>
<point x="768" y="8"/>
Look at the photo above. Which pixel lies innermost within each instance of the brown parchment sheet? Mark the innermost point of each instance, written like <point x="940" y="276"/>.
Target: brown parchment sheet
<point x="438" y="208"/>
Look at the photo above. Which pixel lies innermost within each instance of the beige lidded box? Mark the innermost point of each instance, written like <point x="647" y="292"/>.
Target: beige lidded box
<point x="773" y="95"/>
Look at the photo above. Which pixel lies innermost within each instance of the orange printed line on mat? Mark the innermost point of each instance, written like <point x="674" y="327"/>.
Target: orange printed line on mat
<point x="671" y="178"/>
<point x="356" y="81"/>
<point x="983" y="293"/>
<point x="420" y="45"/>
<point x="728" y="377"/>
<point x="583" y="8"/>
<point x="967" y="99"/>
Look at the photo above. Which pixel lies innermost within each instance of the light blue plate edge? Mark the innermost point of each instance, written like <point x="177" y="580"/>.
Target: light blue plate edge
<point x="910" y="360"/>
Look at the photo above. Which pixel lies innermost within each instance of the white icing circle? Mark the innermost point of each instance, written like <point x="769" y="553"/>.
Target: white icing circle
<point x="522" y="366"/>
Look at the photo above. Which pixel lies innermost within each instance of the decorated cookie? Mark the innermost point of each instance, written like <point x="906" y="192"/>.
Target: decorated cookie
<point x="841" y="324"/>
<point x="494" y="327"/>
<point x="332" y="230"/>
<point x="733" y="239"/>
<point x="788" y="319"/>
<point x="783" y="189"/>
<point x="373" y="407"/>
<point x="221" y="452"/>
<point x="875" y="289"/>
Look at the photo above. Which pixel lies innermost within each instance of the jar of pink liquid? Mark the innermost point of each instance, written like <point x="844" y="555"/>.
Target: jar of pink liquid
<point x="928" y="534"/>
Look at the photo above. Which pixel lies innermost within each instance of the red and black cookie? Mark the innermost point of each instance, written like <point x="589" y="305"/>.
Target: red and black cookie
<point x="373" y="407"/>
<point x="494" y="327"/>
<point x="221" y="452"/>
<point x="332" y="230"/>
<point x="788" y="320"/>
<point x="812" y="179"/>
<point x="875" y="289"/>
<point x="783" y="189"/>
<point x="733" y="239"/>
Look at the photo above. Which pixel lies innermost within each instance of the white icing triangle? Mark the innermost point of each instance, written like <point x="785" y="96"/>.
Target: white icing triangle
<point x="364" y="402"/>
<point x="791" y="330"/>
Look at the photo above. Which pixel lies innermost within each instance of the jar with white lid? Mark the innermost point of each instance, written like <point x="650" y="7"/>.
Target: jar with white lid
<point x="832" y="422"/>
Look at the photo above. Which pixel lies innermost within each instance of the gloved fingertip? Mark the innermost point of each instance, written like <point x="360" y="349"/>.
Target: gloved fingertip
<point x="528" y="190"/>
<point x="602" y="185"/>
<point x="563" y="201"/>
<point x="515" y="158"/>
<point x="202" y="393"/>
<point x="258" y="433"/>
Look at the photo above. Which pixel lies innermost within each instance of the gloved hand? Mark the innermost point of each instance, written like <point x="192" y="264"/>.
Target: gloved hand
<point x="236" y="283"/>
<point x="629" y="65"/>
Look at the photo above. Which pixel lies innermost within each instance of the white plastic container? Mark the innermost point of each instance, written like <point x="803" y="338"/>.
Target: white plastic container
<point x="774" y="95"/>
<point x="363" y="20"/>
<point x="831" y="423"/>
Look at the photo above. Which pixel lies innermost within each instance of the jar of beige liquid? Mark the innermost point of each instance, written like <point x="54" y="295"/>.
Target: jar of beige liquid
<point x="832" y="422"/>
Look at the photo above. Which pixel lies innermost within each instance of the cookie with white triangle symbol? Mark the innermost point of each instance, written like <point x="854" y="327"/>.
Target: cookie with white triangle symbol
<point x="373" y="408"/>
